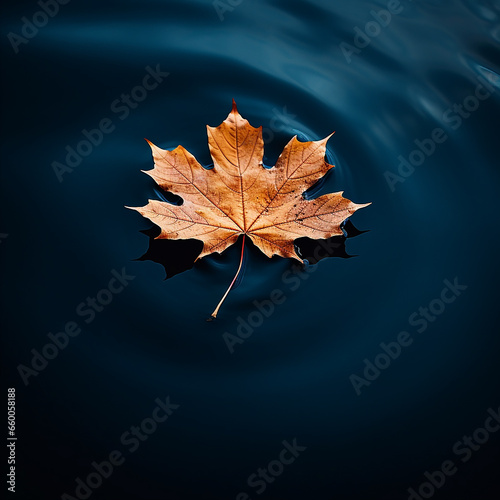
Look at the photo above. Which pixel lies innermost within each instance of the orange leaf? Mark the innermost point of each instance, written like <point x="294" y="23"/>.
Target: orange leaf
<point x="241" y="197"/>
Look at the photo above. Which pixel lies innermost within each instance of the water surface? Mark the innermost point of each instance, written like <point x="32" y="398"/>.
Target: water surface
<point x="284" y="65"/>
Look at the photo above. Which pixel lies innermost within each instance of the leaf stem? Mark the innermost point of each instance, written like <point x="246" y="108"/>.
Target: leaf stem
<point x="214" y="314"/>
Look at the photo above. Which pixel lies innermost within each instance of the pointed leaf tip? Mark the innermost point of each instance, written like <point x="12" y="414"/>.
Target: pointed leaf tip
<point x="240" y="197"/>
<point x="325" y="140"/>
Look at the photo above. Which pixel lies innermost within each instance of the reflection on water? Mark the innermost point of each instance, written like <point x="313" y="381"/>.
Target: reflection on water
<point x="177" y="256"/>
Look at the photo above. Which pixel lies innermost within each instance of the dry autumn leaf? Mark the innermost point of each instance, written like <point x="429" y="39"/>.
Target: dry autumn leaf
<point x="239" y="196"/>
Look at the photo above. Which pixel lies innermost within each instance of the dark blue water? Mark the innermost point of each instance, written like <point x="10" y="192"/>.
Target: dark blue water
<point x="289" y="68"/>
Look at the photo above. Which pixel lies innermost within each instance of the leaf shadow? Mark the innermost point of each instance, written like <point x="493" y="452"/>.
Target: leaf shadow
<point x="177" y="256"/>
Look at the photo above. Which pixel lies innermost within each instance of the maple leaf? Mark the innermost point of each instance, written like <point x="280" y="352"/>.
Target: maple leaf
<point x="239" y="196"/>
